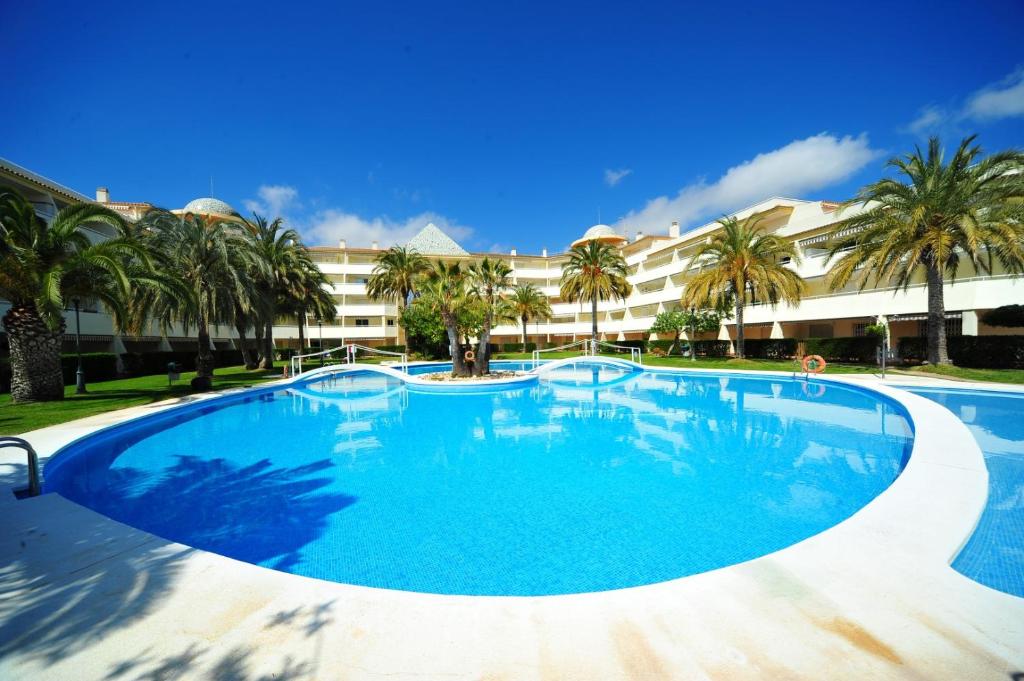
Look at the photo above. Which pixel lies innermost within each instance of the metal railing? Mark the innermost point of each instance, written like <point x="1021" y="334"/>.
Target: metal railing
<point x="350" y="350"/>
<point x="584" y="345"/>
<point x="635" y="354"/>
<point x="33" y="463"/>
<point x="403" y="357"/>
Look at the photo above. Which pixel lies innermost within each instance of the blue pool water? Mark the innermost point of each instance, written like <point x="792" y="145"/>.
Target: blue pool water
<point x="994" y="555"/>
<point x="592" y="479"/>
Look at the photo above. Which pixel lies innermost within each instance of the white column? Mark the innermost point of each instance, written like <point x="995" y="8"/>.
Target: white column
<point x="969" y="320"/>
<point x="776" y="331"/>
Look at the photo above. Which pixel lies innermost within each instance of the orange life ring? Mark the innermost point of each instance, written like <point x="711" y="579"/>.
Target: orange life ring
<point x="469" y="356"/>
<point x="819" y="364"/>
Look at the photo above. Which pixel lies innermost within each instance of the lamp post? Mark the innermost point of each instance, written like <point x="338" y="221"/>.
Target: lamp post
<point x="79" y="373"/>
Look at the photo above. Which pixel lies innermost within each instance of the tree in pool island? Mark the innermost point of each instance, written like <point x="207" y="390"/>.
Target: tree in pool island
<point x="488" y="279"/>
<point x="528" y="302"/>
<point x="744" y="264"/>
<point x="444" y="291"/>
<point x="934" y="216"/>
<point x="595" y="271"/>
<point x="42" y="264"/>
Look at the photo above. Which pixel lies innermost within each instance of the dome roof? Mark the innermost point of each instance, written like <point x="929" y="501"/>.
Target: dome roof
<point x="208" y="206"/>
<point x="600" y="233"/>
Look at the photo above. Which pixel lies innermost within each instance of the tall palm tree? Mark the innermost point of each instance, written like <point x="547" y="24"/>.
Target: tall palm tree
<point x="213" y="259"/>
<point x="528" y="302"/>
<point x="394" y="276"/>
<point x="283" y="261"/>
<point x="932" y="218"/>
<point x="743" y="263"/>
<point x="305" y="294"/>
<point x="41" y="264"/>
<point x="488" y="279"/>
<point x="444" y="290"/>
<point x="595" y="271"/>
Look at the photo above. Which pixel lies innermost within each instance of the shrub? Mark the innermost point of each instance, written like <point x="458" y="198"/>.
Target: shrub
<point x="98" y="366"/>
<point x="663" y="345"/>
<point x="642" y="344"/>
<point x="391" y="348"/>
<point x="1006" y="316"/>
<point x="844" y="349"/>
<point x="518" y="347"/>
<point x="977" y="352"/>
<point x="711" y="348"/>
<point x="770" y="348"/>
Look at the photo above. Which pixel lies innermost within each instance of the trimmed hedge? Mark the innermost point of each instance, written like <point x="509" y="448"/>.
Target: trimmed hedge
<point x="98" y="366"/>
<point x="844" y="349"/>
<point x="711" y="348"/>
<point x="977" y="352"/>
<point x="391" y="348"/>
<point x="775" y="348"/>
<point x="663" y="344"/>
<point x="518" y="347"/>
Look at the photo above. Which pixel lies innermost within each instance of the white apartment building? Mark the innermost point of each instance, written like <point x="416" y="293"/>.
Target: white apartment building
<point x="658" y="269"/>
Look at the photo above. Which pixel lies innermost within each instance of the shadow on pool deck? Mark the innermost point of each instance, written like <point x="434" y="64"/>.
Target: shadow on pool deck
<point x="70" y="578"/>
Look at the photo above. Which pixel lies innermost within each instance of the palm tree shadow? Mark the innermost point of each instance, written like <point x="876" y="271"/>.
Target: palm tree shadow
<point x="71" y="578"/>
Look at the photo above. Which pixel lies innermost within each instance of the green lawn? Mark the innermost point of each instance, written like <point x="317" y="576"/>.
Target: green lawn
<point x="111" y="395"/>
<point x="988" y="375"/>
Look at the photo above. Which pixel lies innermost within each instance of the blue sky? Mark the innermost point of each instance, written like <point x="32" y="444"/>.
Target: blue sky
<point x="507" y="125"/>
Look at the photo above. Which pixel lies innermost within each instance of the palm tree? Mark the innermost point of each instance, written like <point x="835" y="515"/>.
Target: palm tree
<point x="528" y="302"/>
<point x="41" y="265"/>
<point x="394" y="276"/>
<point x="213" y="259"/>
<point x="443" y="289"/>
<point x="283" y="263"/>
<point x="488" y="279"/>
<point x="304" y="294"/>
<point x="742" y="263"/>
<point x="595" y="271"/>
<point x="937" y="215"/>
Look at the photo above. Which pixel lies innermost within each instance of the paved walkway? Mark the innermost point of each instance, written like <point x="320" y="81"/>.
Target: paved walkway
<point x="83" y="597"/>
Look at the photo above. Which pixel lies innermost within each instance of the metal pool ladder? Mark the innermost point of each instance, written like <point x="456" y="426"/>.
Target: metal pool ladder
<point x="33" y="464"/>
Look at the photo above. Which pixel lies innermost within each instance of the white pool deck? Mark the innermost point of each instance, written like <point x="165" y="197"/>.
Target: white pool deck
<point x="83" y="597"/>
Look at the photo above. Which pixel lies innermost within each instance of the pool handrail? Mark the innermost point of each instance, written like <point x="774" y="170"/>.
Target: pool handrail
<point x="33" y="489"/>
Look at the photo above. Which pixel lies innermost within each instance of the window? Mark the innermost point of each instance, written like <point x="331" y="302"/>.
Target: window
<point x="954" y="327"/>
<point x="820" y="331"/>
<point x="391" y="322"/>
<point x="860" y="329"/>
<point x="362" y="322"/>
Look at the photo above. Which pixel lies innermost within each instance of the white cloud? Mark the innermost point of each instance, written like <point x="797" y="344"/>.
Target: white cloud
<point x="330" y="226"/>
<point x="613" y="177"/>
<point x="275" y="200"/>
<point x="1000" y="100"/>
<point x="930" y="118"/>
<point x="796" y="169"/>
<point x="1004" y="99"/>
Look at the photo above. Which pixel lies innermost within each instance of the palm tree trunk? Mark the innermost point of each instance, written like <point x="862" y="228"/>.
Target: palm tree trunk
<point x="525" y="320"/>
<point x="267" y="361"/>
<point x="35" y="355"/>
<point x="937" y="353"/>
<point x="593" y="317"/>
<point x="243" y="346"/>
<point x="675" y="343"/>
<point x="204" y="358"/>
<point x="739" y="327"/>
<point x="458" y="361"/>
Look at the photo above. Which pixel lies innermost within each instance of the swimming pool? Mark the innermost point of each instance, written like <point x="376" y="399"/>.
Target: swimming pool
<point x="994" y="555"/>
<point x="595" y="478"/>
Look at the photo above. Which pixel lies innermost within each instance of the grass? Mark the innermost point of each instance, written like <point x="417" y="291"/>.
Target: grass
<point x="963" y="373"/>
<point x="110" y="395"/>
